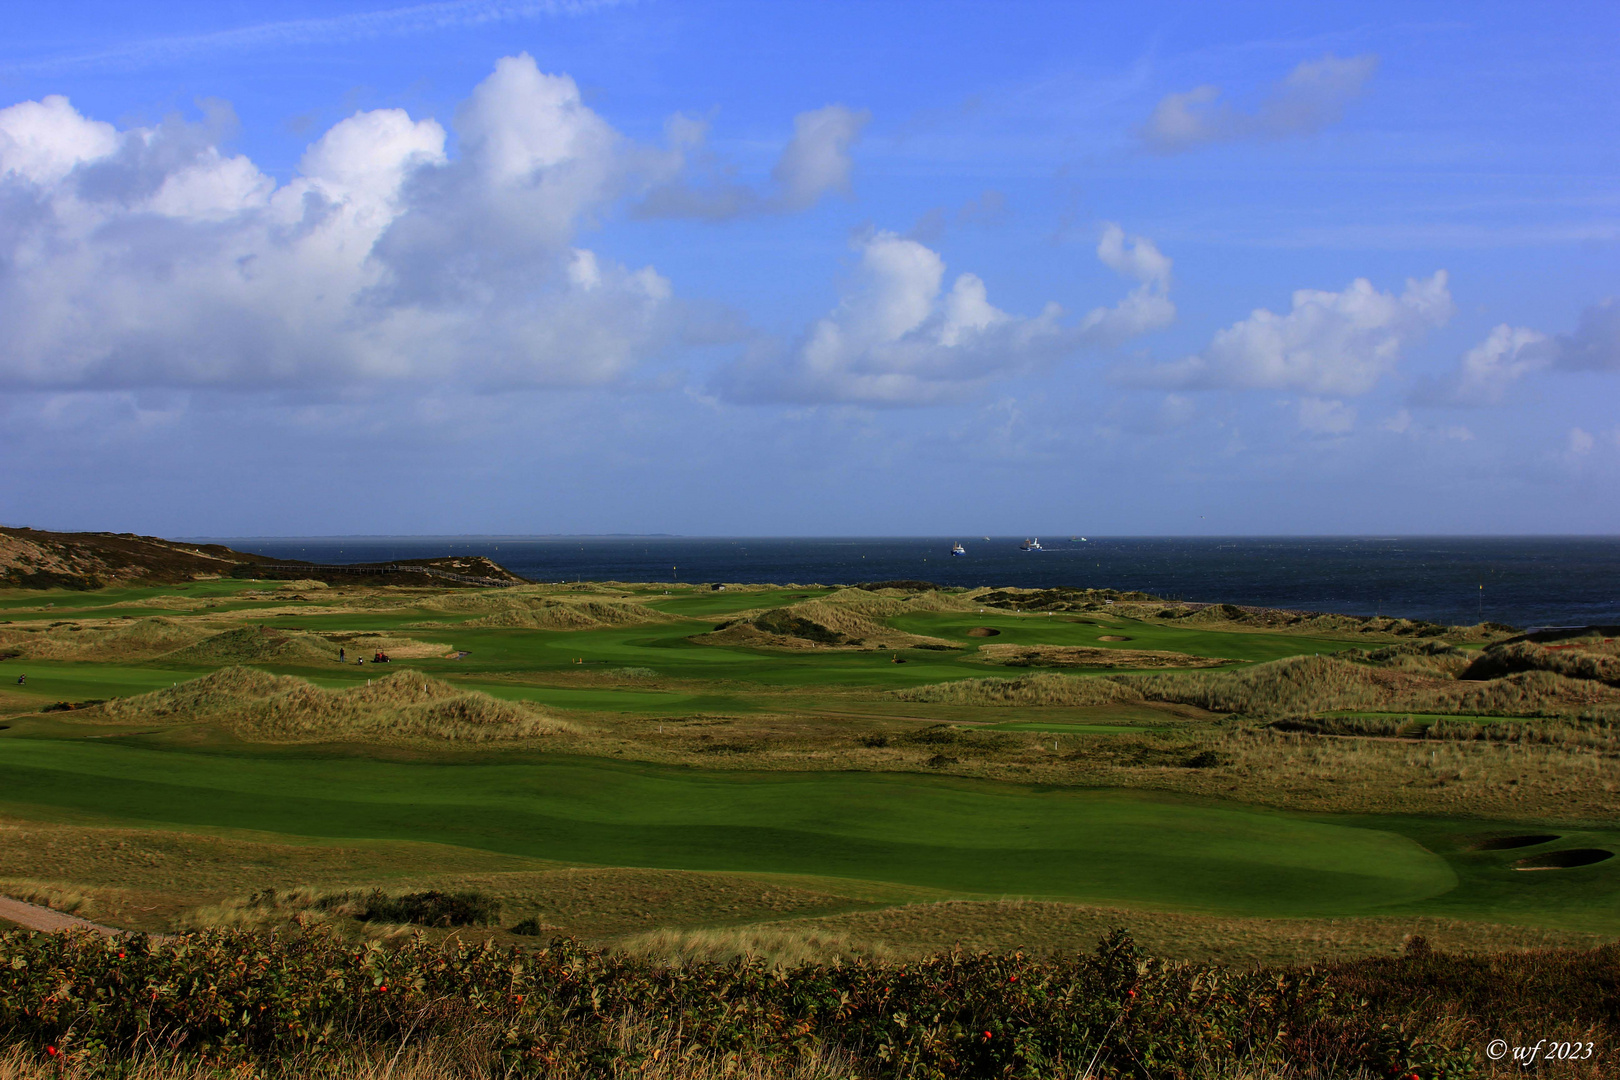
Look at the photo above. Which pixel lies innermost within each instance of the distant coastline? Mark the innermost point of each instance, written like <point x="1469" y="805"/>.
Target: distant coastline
<point x="1527" y="581"/>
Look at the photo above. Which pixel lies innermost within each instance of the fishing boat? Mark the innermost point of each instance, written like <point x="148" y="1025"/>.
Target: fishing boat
<point x="1031" y="545"/>
<point x="958" y="549"/>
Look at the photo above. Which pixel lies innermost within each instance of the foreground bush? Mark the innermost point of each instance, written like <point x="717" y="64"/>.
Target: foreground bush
<point x="225" y="997"/>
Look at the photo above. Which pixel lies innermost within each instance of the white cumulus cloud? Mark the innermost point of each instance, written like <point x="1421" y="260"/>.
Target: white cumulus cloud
<point x="900" y="337"/>
<point x="1486" y="371"/>
<point x="150" y="257"/>
<point x="42" y="141"/>
<point x="1312" y="96"/>
<point x="1148" y="306"/>
<point x="1509" y="353"/>
<point x="1335" y="344"/>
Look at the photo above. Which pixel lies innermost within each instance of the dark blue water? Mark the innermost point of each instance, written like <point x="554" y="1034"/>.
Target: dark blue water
<point x="1538" y="581"/>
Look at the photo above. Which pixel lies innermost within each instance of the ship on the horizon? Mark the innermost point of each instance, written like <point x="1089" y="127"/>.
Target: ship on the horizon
<point x="1031" y="545"/>
<point x="958" y="549"/>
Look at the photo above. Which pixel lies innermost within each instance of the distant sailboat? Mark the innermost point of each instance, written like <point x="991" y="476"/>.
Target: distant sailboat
<point x="958" y="549"/>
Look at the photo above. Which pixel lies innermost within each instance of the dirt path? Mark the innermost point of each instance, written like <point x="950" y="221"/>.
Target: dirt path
<point x="34" y="917"/>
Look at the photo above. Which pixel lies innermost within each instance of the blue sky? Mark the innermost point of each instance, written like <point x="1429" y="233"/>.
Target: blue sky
<point x="814" y="268"/>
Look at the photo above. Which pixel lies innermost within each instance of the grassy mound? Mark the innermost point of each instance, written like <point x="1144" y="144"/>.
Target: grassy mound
<point x="1297" y="686"/>
<point x="1310" y="684"/>
<point x="122" y="640"/>
<point x="1579" y="661"/>
<point x="1058" y="599"/>
<point x="849" y="618"/>
<point x="1435" y="659"/>
<point x="1044" y="689"/>
<point x="515" y="610"/>
<point x="258" y="706"/>
<point x="258" y="645"/>
<point x="1313" y="622"/>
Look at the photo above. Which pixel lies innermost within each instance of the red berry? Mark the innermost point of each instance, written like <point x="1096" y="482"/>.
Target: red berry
<point x="52" y="1051"/>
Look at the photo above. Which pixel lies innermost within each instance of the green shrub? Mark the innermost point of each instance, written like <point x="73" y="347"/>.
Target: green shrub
<point x="431" y="908"/>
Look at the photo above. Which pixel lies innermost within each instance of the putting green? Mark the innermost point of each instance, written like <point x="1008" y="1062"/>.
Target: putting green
<point x="945" y="833"/>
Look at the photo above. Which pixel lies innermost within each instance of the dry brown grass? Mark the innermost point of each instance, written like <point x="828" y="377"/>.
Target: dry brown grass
<point x="1306" y="685"/>
<point x="528" y="608"/>
<point x="780" y="946"/>
<point x="191" y="641"/>
<point x="147" y="878"/>
<point x="1274" y="620"/>
<point x="111" y="641"/>
<point x="1029" y="690"/>
<point x="160" y="879"/>
<point x="1043" y="927"/>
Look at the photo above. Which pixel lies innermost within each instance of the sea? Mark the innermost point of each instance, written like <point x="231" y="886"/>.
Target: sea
<point x="1527" y="582"/>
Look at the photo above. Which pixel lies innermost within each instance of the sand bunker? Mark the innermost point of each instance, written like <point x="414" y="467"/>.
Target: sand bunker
<point x="984" y="631"/>
<point x="1564" y="860"/>
<point x="1504" y="843"/>
<point x="1112" y="637"/>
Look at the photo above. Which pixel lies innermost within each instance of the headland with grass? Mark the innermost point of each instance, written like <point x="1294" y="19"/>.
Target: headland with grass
<point x="680" y="774"/>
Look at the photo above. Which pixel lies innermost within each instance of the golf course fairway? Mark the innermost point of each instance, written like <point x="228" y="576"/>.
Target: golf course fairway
<point x="947" y="833"/>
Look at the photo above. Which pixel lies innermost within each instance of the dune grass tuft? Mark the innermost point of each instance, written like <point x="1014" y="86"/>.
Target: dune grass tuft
<point x="1299" y="686"/>
<point x="258" y="706"/>
<point x="518" y="610"/>
<point x="1042" y="689"/>
<point x="783" y="948"/>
